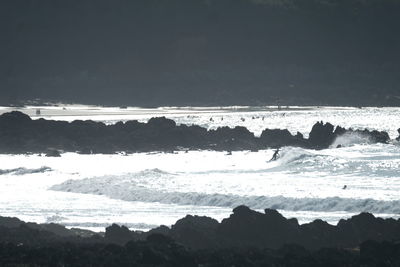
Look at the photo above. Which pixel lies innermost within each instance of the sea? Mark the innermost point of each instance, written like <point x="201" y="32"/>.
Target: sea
<point x="145" y="190"/>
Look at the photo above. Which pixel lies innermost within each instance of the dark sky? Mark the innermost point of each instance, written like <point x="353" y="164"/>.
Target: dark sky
<point x="200" y="52"/>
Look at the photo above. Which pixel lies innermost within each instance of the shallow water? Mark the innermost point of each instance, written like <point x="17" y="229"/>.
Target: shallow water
<point x="144" y="190"/>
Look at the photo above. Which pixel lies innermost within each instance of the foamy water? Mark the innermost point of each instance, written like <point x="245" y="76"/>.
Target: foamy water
<point x="143" y="190"/>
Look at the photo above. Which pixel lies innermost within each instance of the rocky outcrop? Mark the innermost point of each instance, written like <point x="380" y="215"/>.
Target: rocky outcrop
<point x="20" y="134"/>
<point x="243" y="229"/>
<point x="56" y="229"/>
<point x="276" y="138"/>
<point x="198" y="232"/>
<point x="161" y="251"/>
<point x="322" y="135"/>
<point x="249" y="228"/>
<point x="366" y="226"/>
<point x="246" y="238"/>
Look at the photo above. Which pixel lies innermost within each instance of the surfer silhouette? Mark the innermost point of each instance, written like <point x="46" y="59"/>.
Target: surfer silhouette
<point x="276" y="154"/>
<point x="344" y="187"/>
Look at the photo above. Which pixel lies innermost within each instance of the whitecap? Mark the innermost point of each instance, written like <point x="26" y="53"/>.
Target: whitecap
<point x="23" y="171"/>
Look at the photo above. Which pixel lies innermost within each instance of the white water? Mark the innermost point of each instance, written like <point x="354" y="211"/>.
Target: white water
<point x="144" y="190"/>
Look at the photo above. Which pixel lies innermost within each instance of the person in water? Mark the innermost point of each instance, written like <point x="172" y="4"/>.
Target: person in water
<point x="276" y="154"/>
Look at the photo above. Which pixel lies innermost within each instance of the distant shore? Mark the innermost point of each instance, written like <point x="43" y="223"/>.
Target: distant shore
<point x="68" y="110"/>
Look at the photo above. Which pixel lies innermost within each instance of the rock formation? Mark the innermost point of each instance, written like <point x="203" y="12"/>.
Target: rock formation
<point x="20" y="134"/>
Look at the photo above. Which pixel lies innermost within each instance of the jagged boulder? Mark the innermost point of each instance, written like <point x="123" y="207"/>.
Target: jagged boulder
<point x="318" y="234"/>
<point x="162" y="229"/>
<point x="14" y="118"/>
<point x="246" y="227"/>
<point x="321" y="135"/>
<point x="53" y="153"/>
<point x="276" y="138"/>
<point x="366" y="226"/>
<point x="118" y="234"/>
<point x="237" y="138"/>
<point x="59" y="230"/>
<point x="10" y="222"/>
<point x="195" y="231"/>
<point x="377" y="136"/>
<point x="161" y="123"/>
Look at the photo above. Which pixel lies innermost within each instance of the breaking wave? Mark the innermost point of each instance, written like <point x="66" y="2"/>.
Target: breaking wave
<point x="128" y="191"/>
<point x="296" y="160"/>
<point x="360" y="160"/>
<point x="350" y="139"/>
<point x="290" y="155"/>
<point x="23" y="171"/>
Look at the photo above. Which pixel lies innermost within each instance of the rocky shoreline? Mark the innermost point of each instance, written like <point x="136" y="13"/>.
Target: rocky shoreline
<point x="20" y="134"/>
<point x="246" y="238"/>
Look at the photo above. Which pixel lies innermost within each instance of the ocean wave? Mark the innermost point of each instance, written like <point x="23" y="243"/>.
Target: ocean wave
<point x="23" y="171"/>
<point x="128" y="191"/>
<point x="356" y="160"/>
<point x="290" y="155"/>
<point x="350" y="139"/>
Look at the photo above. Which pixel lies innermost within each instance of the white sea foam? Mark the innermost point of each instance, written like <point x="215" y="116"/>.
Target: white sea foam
<point x="349" y="139"/>
<point x="23" y="171"/>
<point x="125" y="189"/>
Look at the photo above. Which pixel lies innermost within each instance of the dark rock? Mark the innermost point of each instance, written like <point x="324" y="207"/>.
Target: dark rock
<point x="321" y="135"/>
<point x="243" y="239"/>
<point x="195" y="232"/>
<point x="246" y="227"/>
<point x="14" y="118"/>
<point x="10" y="222"/>
<point x="161" y="123"/>
<point x="20" y="134"/>
<point x="162" y="229"/>
<point x="53" y="153"/>
<point x="374" y="253"/>
<point x="318" y="234"/>
<point x="56" y="229"/>
<point x="53" y="228"/>
<point x="377" y="136"/>
<point x="339" y="131"/>
<point x="249" y="228"/>
<point x="278" y="138"/>
<point x="159" y="239"/>
<point x="365" y="227"/>
<point x="118" y="234"/>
